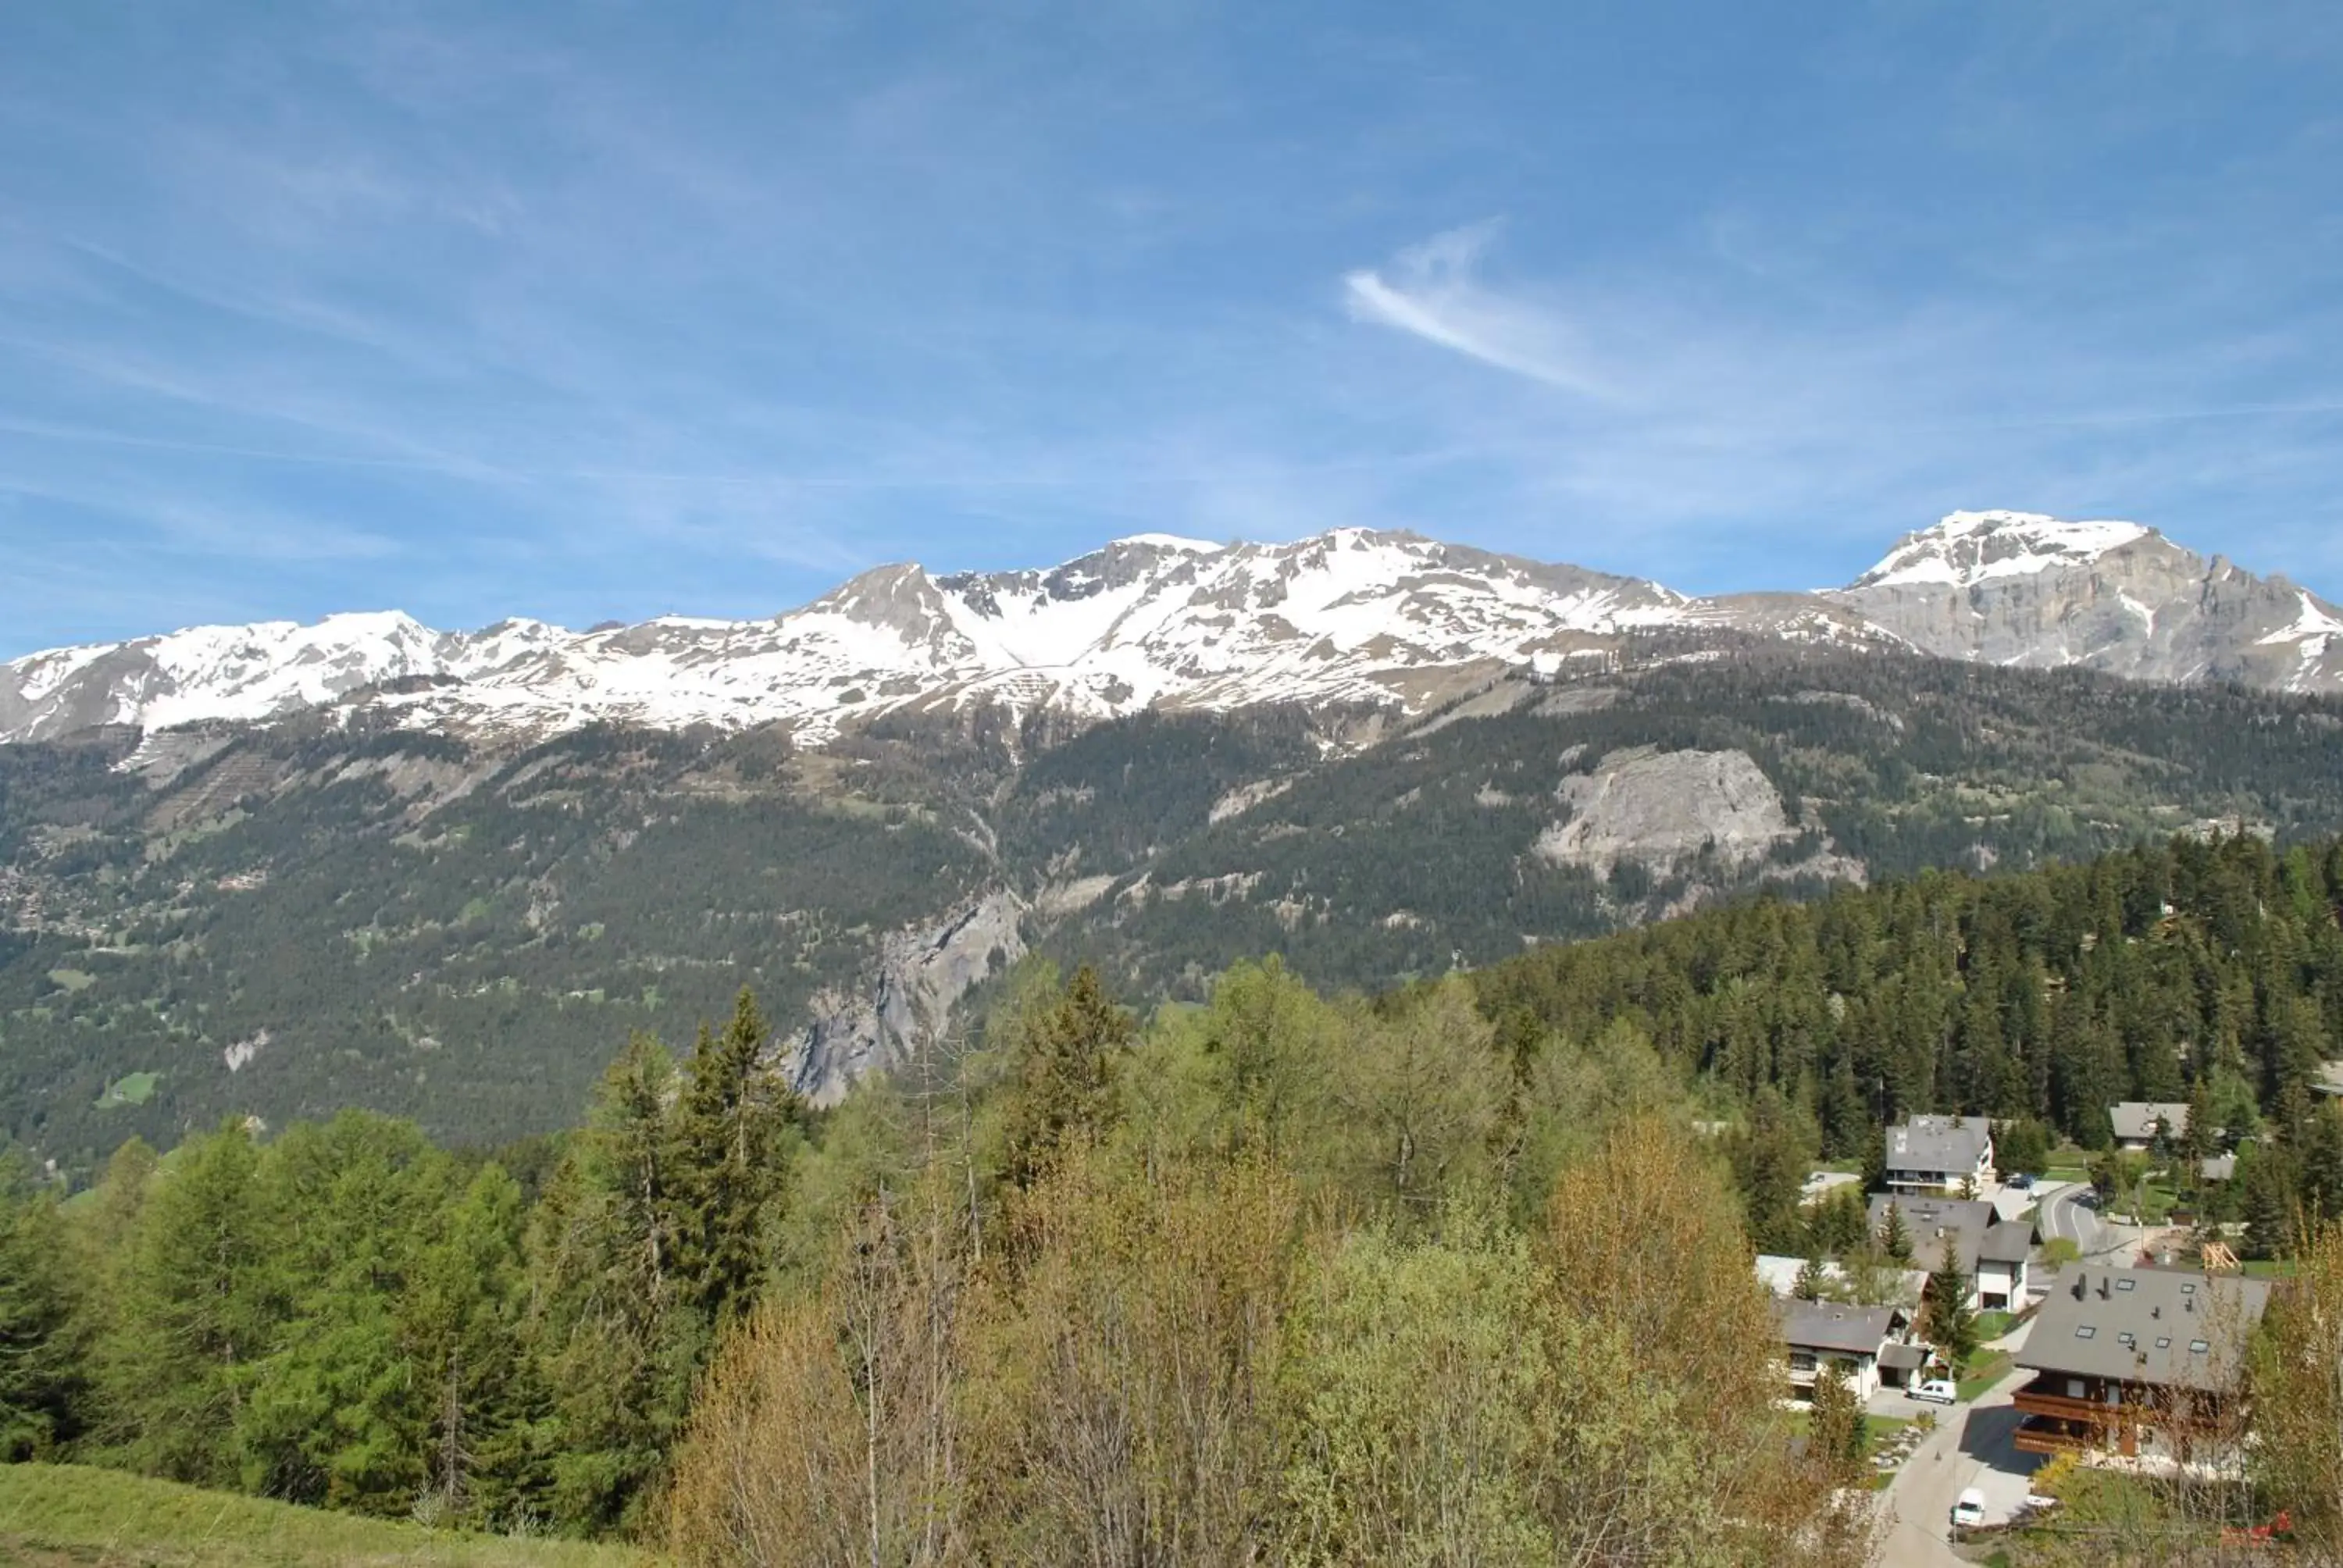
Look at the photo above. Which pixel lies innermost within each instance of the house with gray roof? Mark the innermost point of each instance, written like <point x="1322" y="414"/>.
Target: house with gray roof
<point x="1820" y="1333"/>
<point x="1939" y="1154"/>
<point x="1991" y="1252"/>
<point x="2132" y="1359"/>
<point x="2137" y="1121"/>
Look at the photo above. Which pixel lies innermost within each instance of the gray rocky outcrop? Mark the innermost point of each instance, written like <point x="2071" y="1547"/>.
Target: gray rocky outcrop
<point x="907" y="999"/>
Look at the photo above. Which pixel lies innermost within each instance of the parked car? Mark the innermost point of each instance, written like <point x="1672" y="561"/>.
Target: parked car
<point x="1937" y="1390"/>
<point x="1970" y="1510"/>
<point x="2022" y="1182"/>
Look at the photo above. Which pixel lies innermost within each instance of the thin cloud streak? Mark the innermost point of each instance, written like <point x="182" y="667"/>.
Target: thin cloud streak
<point x="1433" y="293"/>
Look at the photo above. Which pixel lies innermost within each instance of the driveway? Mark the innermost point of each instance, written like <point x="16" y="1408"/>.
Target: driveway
<point x="1973" y="1446"/>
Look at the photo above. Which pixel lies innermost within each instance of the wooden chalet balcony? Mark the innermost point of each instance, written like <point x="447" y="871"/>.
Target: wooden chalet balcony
<point x="2038" y="1435"/>
<point x="2141" y="1411"/>
<point x="2099" y="1412"/>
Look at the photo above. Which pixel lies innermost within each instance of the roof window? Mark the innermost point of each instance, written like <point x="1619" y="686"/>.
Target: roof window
<point x="2088" y="1331"/>
<point x="2127" y="1284"/>
<point x="2198" y="1347"/>
<point x="2164" y="1342"/>
<point x="2125" y="1341"/>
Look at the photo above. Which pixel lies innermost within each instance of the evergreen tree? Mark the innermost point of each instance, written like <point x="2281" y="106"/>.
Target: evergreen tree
<point x="196" y="1308"/>
<point x="42" y="1394"/>
<point x="1874" y="1159"/>
<point x="2266" y="1200"/>
<point x="1895" y="1236"/>
<point x="2023" y="1144"/>
<point x="1845" y="1121"/>
<point x="1949" y="1323"/>
<point x="1770" y="1158"/>
<point x="729" y="1162"/>
<point x="1066" y="1075"/>
<point x="618" y="1342"/>
<point x="1839" y="1225"/>
<point x="1808" y="1286"/>
<point x="2319" y="1163"/>
<point x="2201" y="1137"/>
<point x="461" y="1318"/>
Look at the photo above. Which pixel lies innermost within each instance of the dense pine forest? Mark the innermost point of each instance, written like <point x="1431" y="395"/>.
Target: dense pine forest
<point x="1458" y="1272"/>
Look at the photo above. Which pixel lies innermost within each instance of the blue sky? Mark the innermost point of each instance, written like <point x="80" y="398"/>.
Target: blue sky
<point x="597" y="310"/>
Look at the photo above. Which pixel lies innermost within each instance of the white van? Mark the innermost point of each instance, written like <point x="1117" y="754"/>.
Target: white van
<point x="1970" y="1510"/>
<point x="1937" y="1390"/>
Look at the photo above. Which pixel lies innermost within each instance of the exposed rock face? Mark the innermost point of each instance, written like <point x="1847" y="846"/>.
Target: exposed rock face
<point x="1659" y="807"/>
<point x="919" y="977"/>
<point x="2012" y="588"/>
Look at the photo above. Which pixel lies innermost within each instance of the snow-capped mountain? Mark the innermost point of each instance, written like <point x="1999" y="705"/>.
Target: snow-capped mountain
<point x="2020" y="588"/>
<point x="1158" y="621"/>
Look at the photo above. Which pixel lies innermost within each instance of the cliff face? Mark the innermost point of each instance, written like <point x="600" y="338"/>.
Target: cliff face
<point x="2007" y="587"/>
<point x="913" y="984"/>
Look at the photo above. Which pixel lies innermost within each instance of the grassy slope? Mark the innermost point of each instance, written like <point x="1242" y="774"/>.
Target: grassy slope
<point x="53" y="1515"/>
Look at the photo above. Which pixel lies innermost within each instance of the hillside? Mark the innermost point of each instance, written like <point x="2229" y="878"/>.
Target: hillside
<point x="281" y="920"/>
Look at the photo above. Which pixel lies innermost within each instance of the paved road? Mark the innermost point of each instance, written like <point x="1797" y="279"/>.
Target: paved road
<point x="1973" y="1446"/>
<point x="2064" y="1214"/>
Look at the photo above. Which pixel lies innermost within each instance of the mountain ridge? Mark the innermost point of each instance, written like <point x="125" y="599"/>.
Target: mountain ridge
<point x="1156" y="621"/>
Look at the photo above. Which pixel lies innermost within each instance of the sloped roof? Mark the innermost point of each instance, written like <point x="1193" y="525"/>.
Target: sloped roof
<point x="1779" y="1273"/>
<point x="1934" y="1224"/>
<point x="2008" y="1242"/>
<point x="2147" y="1325"/>
<point x="1831" y="1326"/>
<point x="1940" y="1145"/>
<point x="1904" y="1356"/>
<point x="2135" y="1119"/>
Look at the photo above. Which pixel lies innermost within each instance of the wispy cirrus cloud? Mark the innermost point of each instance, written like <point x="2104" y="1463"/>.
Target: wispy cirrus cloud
<point x="1433" y="291"/>
<point x="1703" y="397"/>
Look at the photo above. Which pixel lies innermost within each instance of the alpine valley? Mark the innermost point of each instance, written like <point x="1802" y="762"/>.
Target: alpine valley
<point x="274" y="869"/>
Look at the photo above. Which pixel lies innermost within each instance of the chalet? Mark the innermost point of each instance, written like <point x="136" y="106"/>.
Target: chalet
<point x="2137" y="1120"/>
<point x="1940" y="1154"/>
<point x="1778" y="1273"/>
<point x="1854" y="1339"/>
<point x="1989" y="1250"/>
<point x="2126" y="1358"/>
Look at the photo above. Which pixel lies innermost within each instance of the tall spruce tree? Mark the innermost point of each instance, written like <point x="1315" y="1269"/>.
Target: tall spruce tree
<point x="1895" y="1236"/>
<point x="619" y="1342"/>
<point x="1066" y="1074"/>
<point x="461" y="1318"/>
<point x="729" y="1169"/>
<point x="1951" y="1324"/>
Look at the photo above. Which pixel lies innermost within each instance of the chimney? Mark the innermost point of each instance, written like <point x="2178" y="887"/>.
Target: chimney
<point x="2106" y="1287"/>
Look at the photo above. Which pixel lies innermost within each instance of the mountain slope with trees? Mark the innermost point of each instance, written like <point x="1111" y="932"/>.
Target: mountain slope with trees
<point x="1256" y="1277"/>
<point x="282" y="922"/>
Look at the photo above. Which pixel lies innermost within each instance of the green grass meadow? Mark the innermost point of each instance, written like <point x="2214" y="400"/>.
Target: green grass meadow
<point x="53" y="1515"/>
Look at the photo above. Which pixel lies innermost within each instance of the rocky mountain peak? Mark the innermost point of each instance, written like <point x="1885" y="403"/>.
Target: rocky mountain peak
<point x="1966" y="548"/>
<point x="1349" y="616"/>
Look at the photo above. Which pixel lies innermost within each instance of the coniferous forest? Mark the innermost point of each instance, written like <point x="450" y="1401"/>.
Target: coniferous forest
<point x="1457" y="1272"/>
